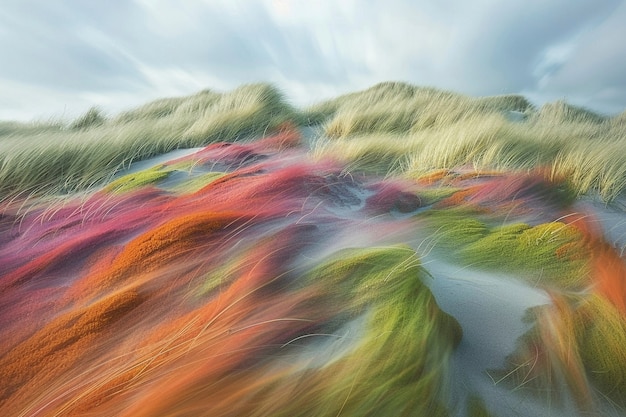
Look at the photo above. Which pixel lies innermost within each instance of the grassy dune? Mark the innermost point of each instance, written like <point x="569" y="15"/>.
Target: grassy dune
<point x="49" y="158"/>
<point x="410" y="131"/>
<point x="391" y="128"/>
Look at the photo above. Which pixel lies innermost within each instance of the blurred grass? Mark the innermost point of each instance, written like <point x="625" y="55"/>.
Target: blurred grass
<point x="385" y="284"/>
<point x="50" y="158"/>
<point x="391" y="128"/>
<point x="406" y="130"/>
<point x="550" y="255"/>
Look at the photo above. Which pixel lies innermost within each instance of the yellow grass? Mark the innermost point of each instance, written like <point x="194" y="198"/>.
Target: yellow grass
<point x="389" y="129"/>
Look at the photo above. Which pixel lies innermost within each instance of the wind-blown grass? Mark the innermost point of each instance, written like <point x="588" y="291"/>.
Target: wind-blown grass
<point x="8" y="129"/>
<point x="422" y="129"/>
<point x="48" y="159"/>
<point x="388" y="129"/>
<point x="401" y="109"/>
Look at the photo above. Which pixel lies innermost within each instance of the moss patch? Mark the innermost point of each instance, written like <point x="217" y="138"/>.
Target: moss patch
<point x="386" y="285"/>
<point x="138" y="179"/>
<point x="553" y="250"/>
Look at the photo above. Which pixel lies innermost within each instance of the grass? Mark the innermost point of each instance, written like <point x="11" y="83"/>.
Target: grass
<point x="40" y="158"/>
<point x="389" y="129"/>
<point x="601" y="337"/>
<point x="133" y="181"/>
<point x="93" y="118"/>
<point x="430" y="129"/>
<point x="278" y="325"/>
<point x="8" y="128"/>
<point x="582" y="340"/>
<point x="385" y="284"/>
<point x="401" y="109"/>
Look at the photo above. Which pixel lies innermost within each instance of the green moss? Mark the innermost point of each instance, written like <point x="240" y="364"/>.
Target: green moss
<point x="194" y="183"/>
<point x="497" y="247"/>
<point x="186" y="165"/>
<point x="452" y="229"/>
<point x="601" y="335"/>
<point x="399" y="366"/>
<point x="554" y="252"/>
<point x="224" y="273"/>
<point x="433" y="195"/>
<point x="138" y="179"/>
<point x="550" y="253"/>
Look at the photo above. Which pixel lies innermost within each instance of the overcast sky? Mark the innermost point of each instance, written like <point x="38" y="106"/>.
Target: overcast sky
<point x="58" y="58"/>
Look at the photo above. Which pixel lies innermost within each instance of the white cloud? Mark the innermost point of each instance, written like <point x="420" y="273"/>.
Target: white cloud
<point x="78" y="51"/>
<point x="595" y="72"/>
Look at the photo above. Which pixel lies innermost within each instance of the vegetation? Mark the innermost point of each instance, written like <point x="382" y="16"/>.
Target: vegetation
<point x="423" y="129"/>
<point x="389" y="129"/>
<point x="263" y="282"/>
<point x="92" y="118"/>
<point x="46" y="158"/>
<point x="583" y="339"/>
<point x="387" y="284"/>
<point x="133" y="181"/>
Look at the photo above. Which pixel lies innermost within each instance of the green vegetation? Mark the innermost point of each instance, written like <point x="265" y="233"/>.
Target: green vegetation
<point x="432" y="129"/>
<point x="601" y="337"/>
<point x="133" y="181"/>
<point x="389" y="129"/>
<point x="92" y="118"/>
<point x="190" y="182"/>
<point x="47" y="158"/>
<point x="195" y="183"/>
<point x="452" y="229"/>
<point x="8" y="129"/>
<point x="386" y="285"/>
<point x="583" y="338"/>
<point x="399" y="108"/>
<point x="555" y="249"/>
<point x="550" y="254"/>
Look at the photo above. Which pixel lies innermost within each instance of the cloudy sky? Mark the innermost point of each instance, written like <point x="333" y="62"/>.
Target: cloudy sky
<point x="58" y="58"/>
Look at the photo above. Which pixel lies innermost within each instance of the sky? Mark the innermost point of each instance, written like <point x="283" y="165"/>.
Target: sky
<point x="59" y="58"/>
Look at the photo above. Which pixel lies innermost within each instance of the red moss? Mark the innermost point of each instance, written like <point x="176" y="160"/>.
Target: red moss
<point x="390" y="196"/>
<point x="458" y="198"/>
<point x="156" y="248"/>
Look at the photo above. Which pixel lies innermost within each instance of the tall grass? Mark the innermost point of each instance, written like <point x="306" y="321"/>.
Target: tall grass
<point x="52" y="159"/>
<point x="401" y="108"/>
<point x="8" y="128"/>
<point x="422" y="129"/>
<point x="389" y="129"/>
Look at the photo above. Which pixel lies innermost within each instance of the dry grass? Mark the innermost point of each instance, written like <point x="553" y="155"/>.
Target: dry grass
<point x="49" y="158"/>
<point x="422" y="129"/>
<point x="388" y="129"/>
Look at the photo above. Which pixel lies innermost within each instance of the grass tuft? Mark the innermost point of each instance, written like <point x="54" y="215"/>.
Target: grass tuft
<point x="92" y="118"/>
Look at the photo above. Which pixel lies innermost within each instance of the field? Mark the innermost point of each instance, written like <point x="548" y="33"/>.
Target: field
<point x="397" y="251"/>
